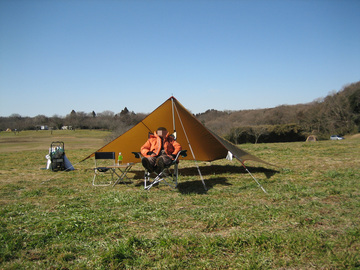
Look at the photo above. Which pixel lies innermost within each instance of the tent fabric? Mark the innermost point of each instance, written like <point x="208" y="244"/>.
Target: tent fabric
<point x="239" y="154"/>
<point x="311" y="138"/>
<point x="201" y="143"/>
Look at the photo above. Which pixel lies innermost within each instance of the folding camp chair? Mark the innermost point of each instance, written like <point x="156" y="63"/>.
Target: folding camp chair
<point x="105" y="168"/>
<point x="169" y="175"/>
<point x="102" y="172"/>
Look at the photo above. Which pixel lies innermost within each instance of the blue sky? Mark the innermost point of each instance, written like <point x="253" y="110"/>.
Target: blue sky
<point x="62" y="55"/>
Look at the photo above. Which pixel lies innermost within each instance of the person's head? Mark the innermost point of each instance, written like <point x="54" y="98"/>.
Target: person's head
<point x="161" y="131"/>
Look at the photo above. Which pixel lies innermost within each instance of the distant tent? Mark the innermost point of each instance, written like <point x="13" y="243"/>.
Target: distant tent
<point x="202" y="144"/>
<point x="311" y="138"/>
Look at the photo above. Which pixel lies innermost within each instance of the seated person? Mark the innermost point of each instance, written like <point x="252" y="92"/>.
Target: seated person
<point x="159" y="150"/>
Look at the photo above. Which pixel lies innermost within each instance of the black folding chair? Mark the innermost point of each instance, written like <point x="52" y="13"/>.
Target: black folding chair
<point x="169" y="175"/>
<point x="102" y="171"/>
<point x="106" y="167"/>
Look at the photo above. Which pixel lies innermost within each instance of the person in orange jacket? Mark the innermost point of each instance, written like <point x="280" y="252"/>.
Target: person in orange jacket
<point x="159" y="150"/>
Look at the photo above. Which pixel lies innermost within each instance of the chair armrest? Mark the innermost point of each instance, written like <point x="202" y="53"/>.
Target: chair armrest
<point x="183" y="153"/>
<point x="180" y="153"/>
<point x="137" y="154"/>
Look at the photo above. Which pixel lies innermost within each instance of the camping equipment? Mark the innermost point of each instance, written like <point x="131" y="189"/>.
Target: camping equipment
<point x="57" y="152"/>
<point x="57" y="159"/>
<point x="168" y="176"/>
<point x="105" y="168"/>
<point x="202" y="144"/>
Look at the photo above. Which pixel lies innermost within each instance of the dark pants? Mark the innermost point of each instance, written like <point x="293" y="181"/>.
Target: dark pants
<point x="153" y="161"/>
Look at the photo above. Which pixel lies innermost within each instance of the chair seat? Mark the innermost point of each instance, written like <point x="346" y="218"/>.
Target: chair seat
<point x="167" y="176"/>
<point x="102" y="169"/>
<point x="103" y="174"/>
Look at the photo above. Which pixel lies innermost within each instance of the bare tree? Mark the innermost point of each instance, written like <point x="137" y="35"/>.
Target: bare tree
<point x="258" y="131"/>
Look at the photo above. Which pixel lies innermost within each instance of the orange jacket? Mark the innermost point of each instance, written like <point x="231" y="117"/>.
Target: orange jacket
<point x="153" y="144"/>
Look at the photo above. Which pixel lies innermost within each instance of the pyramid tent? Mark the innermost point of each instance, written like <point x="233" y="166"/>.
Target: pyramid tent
<point x="312" y="138"/>
<point x="201" y="143"/>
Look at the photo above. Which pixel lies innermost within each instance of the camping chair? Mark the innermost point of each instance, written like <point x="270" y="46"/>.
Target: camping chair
<point x="168" y="175"/>
<point x="102" y="171"/>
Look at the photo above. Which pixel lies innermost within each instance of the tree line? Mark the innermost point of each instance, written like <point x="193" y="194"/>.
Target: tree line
<point x="337" y="113"/>
<point x="106" y="120"/>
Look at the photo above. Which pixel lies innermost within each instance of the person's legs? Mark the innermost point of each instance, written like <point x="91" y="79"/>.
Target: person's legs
<point x="149" y="163"/>
<point x="162" y="162"/>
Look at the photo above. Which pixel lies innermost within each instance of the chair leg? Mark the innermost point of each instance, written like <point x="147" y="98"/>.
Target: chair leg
<point x="168" y="177"/>
<point x="156" y="180"/>
<point x="146" y="179"/>
<point x="172" y="178"/>
<point x="101" y="185"/>
<point x="176" y="173"/>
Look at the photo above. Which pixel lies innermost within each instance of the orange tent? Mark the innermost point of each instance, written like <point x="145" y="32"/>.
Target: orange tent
<point x="202" y="144"/>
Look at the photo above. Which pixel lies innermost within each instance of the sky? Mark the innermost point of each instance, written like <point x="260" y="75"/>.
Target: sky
<point x="104" y="55"/>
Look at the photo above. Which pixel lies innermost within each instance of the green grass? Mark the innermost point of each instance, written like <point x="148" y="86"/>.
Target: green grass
<point x="308" y="220"/>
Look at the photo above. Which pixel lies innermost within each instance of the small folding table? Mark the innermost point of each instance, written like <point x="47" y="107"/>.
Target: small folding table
<point x="121" y="171"/>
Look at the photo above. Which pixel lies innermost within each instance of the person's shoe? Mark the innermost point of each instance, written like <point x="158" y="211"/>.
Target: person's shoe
<point x="146" y="163"/>
<point x="160" y="165"/>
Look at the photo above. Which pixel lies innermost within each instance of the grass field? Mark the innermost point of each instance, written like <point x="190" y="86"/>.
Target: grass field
<point x="57" y="220"/>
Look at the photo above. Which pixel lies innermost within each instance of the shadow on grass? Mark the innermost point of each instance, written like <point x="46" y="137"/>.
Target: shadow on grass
<point x="197" y="187"/>
<point x="221" y="169"/>
<point x="213" y="170"/>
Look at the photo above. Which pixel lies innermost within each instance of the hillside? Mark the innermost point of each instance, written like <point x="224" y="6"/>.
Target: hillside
<point x="339" y="112"/>
<point x="222" y="122"/>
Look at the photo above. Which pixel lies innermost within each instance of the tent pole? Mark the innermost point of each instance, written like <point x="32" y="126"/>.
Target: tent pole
<point x="192" y="152"/>
<point x="173" y="114"/>
<point x="252" y="176"/>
